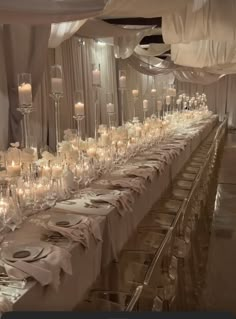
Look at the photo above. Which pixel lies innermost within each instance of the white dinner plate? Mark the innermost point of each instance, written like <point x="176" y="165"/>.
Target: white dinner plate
<point x="67" y="220"/>
<point x="25" y="252"/>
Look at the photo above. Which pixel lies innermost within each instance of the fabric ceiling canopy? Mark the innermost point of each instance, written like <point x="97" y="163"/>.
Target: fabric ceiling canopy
<point x="125" y="40"/>
<point x="140" y="8"/>
<point x="201" y="20"/>
<point x="156" y="66"/>
<point x="48" y="11"/>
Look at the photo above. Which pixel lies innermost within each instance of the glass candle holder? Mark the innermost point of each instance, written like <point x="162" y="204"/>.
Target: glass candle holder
<point x="57" y="94"/>
<point x="24" y="90"/>
<point x="79" y="111"/>
<point x="96" y="74"/>
<point x="110" y="107"/>
<point x="56" y="80"/>
<point x="122" y="79"/>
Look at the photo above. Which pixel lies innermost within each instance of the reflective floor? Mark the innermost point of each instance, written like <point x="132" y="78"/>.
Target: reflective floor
<point x="219" y="293"/>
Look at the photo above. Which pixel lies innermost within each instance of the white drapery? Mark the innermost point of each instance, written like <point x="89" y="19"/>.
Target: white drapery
<point x="4" y="102"/>
<point x="140" y="8"/>
<point x="63" y="31"/>
<point x="152" y="50"/>
<point x="124" y="40"/>
<point x="201" y="20"/>
<point x="48" y="11"/>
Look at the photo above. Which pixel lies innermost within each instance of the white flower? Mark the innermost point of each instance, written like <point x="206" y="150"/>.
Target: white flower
<point x="16" y="144"/>
<point x="48" y="156"/>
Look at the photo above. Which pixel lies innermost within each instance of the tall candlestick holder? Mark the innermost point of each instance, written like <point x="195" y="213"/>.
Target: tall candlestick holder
<point x="135" y="94"/>
<point x="96" y="83"/>
<point x="56" y="95"/>
<point x="79" y="114"/>
<point x="122" y="89"/>
<point x="110" y="108"/>
<point x="25" y="104"/>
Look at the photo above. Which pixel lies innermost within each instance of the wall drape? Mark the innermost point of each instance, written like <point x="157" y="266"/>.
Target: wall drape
<point x="23" y="54"/>
<point x="221" y="96"/>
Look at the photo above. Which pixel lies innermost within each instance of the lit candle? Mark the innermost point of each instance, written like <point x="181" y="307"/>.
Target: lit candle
<point x="25" y="94"/>
<point x="178" y="101"/>
<point x="4" y="206"/>
<point x="13" y="170"/>
<point x="145" y="105"/>
<point x="46" y="171"/>
<point x="168" y="100"/>
<point x="79" y="109"/>
<point x="181" y="97"/>
<point x="96" y="77"/>
<point x="91" y="152"/>
<point x="159" y="105"/>
<point x="56" y="171"/>
<point x="39" y="190"/>
<point x="195" y="103"/>
<point x="153" y="92"/>
<point x="104" y="139"/>
<point x="110" y="108"/>
<point x="135" y="93"/>
<point x="79" y="170"/>
<point x="138" y="131"/>
<point x="122" y="81"/>
<point x="57" y="86"/>
<point x="120" y="144"/>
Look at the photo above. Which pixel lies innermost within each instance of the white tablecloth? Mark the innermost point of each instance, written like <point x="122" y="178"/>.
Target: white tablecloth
<point x="116" y="230"/>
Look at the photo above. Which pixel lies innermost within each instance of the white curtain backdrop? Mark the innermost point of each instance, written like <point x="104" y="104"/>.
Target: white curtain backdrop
<point x="76" y="58"/>
<point x="48" y="11"/>
<point x="63" y="31"/>
<point x="221" y="96"/>
<point x="4" y="102"/>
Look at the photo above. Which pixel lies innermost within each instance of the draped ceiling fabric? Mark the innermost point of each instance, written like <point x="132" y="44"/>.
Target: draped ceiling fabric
<point x="63" y="31"/>
<point x="156" y="66"/>
<point x="140" y="8"/>
<point x="124" y="40"/>
<point x="23" y="54"/>
<point x="153" y="49"/>
<point x="48" y="11"/>
<point x="200" y="20"/>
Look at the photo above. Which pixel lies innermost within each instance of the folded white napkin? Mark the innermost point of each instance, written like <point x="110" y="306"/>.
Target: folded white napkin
<point x="80" y="232"/>
<point x="46" y="270"/>
<point x="5" y="305"/>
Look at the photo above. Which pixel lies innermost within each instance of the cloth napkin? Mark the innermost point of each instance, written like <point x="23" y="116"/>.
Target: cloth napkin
<point x="122" y="202"/>
<point x="135" y="184"/>
<point x="148" y="173"/>
<point x="46" y="270"/>
<point x="5" y="305"/>
<point x="80" y="232"/>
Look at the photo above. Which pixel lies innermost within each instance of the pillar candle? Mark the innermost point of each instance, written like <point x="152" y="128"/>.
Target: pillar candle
<point x="57" y="86"/>
<point x="104" y="139"/>
<point x="96" y="75"/>
<point x="13" y="170"/>
<point x="91" y="152"/>
<point x="145" y="105"/>
<point x="110" y="108"/>
<point x="79" y="109"/>
<point x="159" y="105"/>
<point x="122" y="81"/>
<point x="168" y="100"/>
<point x="153" y="92"/>
<point x="135" y="93"/>
<point x="25" y="94"/>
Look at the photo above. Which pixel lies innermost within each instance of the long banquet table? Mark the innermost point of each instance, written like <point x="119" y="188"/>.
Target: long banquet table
<point x="115" y="230"/>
